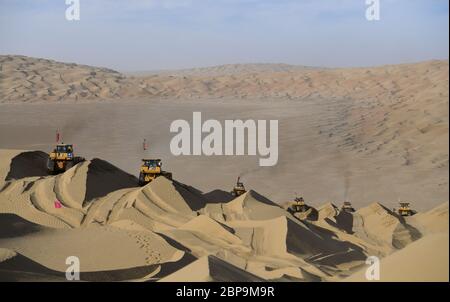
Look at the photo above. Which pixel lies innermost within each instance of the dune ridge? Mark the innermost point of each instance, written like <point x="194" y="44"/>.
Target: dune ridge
<point x="26" y="79"/>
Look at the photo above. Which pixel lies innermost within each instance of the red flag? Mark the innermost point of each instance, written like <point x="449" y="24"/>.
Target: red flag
<point x="144" y="144"/>
<point x="57" y="136"/>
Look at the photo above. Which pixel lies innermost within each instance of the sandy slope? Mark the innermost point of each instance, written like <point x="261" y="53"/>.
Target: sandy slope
<point x="425" y="260"/>
<point x="210" y="268"/>
<point x="433" y="221"/>
<point x="158" y="231"/>
<point x="379" y="229"/>
<point x="25" y="79"/>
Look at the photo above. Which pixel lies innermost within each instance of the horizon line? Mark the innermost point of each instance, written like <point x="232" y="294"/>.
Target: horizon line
<point x="155" y="71"/>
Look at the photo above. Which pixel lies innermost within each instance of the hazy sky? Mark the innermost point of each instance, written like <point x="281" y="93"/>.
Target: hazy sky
<point x="134" y="35"/>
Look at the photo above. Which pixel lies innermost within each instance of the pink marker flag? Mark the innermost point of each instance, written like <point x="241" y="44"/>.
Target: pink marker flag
<point x="58" y="204"/>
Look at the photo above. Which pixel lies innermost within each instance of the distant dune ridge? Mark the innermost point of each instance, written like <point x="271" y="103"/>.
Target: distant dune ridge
<point x="169" y="231"/>
<point x="25" y="79"/>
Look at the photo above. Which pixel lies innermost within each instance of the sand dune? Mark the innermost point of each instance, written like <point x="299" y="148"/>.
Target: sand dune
<point x="210" y="268"/>
<point x="227" y="70"/>
<point x="425" y="260"/>
<point x="433" y="221"/>
<point x="21" y="268"/>
<point x="381" y="229"/>
<point x="74" y="189"/>
<point x="359" y="134"/>
<point x="169" y="231"/>
<point x="27" y="79"/>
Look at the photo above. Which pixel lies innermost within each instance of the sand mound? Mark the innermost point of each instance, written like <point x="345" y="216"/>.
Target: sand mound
<point x="21" y="268"/>
<point x="160" y="205"/>
<point x="425" y="260"/>
<point x="12" y="225"/>
<point x="103" y="178"/>
<point x="433" y="221"/>
<point x="375" y="229"/>
<point x="16" y="164"/>
<point x="311" y="214"/>
<point x="336" y="218"/>
<point x="205" y="225"/>
<point x="28" y="164"/>
<point x="170" y="231"/>
<point x="98" y="248"/>
<point x="249" y="206"/>
<point x="210" y="268"/>
<point x="379" y="224"/>
<point x="34" y="199"/>
<point x="218" y="196"/>
<point x="282" y="240"/>
<point x="175" y="195"/>
<point x="296" y="250"/>
<point x="374" y="224"/>
<point x="328" y="210"/>
<point x="6" y="254"/>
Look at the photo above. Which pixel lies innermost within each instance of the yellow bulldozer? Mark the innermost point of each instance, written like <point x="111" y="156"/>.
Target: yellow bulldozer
<point x="347" y="207"/>
<point x="62" y="159"/>
<point x="151" y="169"/>
<point x="299" y="205"/>
<point x="405" y="210"/>
<point x="238" y="189"/>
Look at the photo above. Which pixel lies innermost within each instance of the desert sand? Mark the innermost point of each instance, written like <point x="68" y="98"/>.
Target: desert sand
<point x="372" y="136"/>
<point x="170" y="231"/>
<point x="361" y="134"/>
<point x="425" y="260"/>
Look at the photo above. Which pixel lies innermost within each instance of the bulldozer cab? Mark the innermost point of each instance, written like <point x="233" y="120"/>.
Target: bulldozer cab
<point x="151" y="169"/>
<point x="151" y="166"/>
<point x="240" y="184"/>
<point x="299" y="201"/>
<point x="62" y="152"/>
<point x="405" y="209"/>
<point x="62" y="159"/>
<point x="347" y="207"/>
<point x="152" y="163"/>
<point x="62" y="148"/>
<point x="299" y="205"/>
<point x="239" y="188"/>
